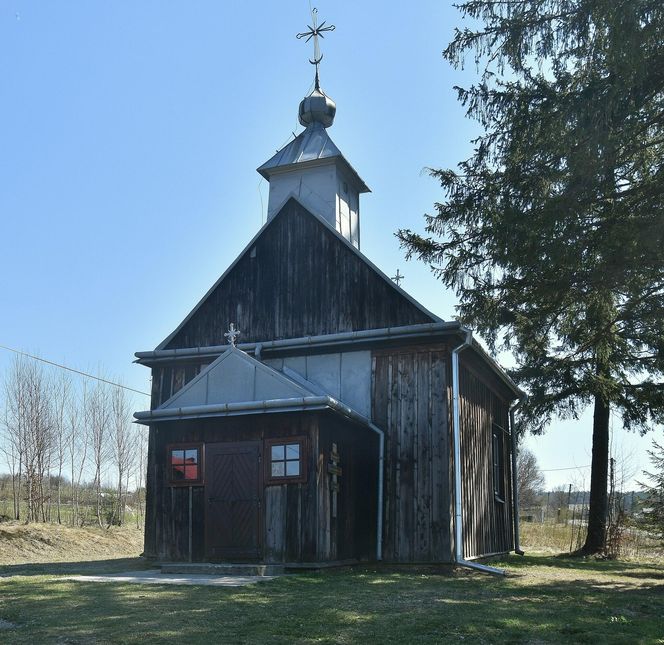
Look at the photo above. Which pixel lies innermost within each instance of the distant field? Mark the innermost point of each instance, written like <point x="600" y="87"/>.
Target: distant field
<point x="554" y="538"/>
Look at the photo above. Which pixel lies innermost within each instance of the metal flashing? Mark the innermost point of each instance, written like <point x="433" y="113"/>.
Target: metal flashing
<point x="234" y="377"/>
<point x="312" y="145"/>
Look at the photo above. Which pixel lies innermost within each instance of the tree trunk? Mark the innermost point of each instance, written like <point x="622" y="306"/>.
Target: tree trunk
<point x="596" y="537"/>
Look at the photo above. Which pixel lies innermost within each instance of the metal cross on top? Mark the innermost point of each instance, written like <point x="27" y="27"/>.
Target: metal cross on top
<point x="232" y="334"/>
<point x="398" y="278"/>
<point x="314" y="32"/>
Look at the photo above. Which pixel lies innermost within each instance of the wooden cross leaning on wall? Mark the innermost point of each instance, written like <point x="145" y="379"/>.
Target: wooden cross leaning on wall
<point x="335" y="471"/>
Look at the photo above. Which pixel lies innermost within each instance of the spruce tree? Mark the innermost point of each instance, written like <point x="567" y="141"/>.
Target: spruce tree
<point x="552" y="232"/>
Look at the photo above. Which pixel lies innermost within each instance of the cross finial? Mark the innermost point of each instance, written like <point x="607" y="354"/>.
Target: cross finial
<point x="398" y="278"/>
<point x="232" y="334"/>
<point x="315" y="30"/>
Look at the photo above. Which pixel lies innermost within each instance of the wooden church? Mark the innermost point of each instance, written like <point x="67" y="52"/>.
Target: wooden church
<point x="308" y="410"/>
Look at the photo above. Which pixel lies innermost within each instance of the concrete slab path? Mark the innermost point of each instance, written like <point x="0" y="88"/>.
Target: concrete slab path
<point x="155" y="577"/>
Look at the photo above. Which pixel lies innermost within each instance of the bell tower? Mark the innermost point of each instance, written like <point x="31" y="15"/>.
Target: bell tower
<point x="311" y="167"/>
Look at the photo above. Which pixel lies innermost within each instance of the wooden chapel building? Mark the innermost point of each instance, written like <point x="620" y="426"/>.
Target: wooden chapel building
<point x="346" y="422"/>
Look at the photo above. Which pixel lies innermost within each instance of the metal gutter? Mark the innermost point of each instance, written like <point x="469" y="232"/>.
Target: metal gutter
<point x="232" y="409"/>
<point x="515" y="487"/>
<point x="456" y="422"/>
<point x="327" y="341"/>
<point x="323" y="340"/>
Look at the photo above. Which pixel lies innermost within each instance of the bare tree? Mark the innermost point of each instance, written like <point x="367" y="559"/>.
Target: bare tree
<point x="38" y="437"/>
<point x="28" y="435"/>
<point x="14" y="422"/>
<point x="530" y="480"/>
<point x="78" y="450"/>
<point x="60" y="404"/>
<point x="122" y="441"/>
<point x="97" y="417"/>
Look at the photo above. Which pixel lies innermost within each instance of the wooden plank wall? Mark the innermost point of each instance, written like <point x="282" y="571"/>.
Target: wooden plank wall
<point x="296" y="525"/>
<point x="487" y="522"/>
<point x="410" y="405"/>
<point x="290" y="515"/>
<point x="298" y="279"/>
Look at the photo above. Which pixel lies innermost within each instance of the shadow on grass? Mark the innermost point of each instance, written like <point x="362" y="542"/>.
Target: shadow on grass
<point x="362" y="605"/>
<point x="91" y="567"/>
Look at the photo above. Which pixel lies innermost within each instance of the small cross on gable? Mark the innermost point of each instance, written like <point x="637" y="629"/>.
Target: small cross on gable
<point x="232" y="334"/>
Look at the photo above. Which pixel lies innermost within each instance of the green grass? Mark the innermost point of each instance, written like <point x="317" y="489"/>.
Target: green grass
<point x="544" y="600"/>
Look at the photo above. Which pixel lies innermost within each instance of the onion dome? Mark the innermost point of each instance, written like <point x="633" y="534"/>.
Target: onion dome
<point x="317" y="108"/>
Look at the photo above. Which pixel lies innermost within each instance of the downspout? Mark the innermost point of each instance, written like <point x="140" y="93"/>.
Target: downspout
<point x="456" y="423"/>
<point x="381" y="466"/>
<point x="515" y="487"/>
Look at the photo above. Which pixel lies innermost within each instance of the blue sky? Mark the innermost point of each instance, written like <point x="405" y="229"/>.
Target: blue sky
<point x="129" y="137"/>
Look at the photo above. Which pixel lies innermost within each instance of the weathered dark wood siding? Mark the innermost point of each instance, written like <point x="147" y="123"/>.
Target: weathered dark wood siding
<point x="296" y="522"/>
<point x="487" y="522"/>
<point x="298" y="279"/>
<point x="410" y="404"/>
<point x="169" y="379"/>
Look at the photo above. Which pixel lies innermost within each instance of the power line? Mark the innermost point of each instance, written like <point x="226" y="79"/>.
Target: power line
<point x="551" y="470"/>
<point x="71" y="369"/>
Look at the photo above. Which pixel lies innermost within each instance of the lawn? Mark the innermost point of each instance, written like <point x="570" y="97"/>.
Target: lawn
<point x="544" y="600"/>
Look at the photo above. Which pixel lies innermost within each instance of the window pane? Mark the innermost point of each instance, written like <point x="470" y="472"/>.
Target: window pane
<point x="191" y="456"/>
<point x="177" y="457"/>
<point x="278" y="469"/>
<point x="177" y="472"/>
<point x="292" y="468"/>
<point x="277" y="453"/>
<point x="293" y="451"/>
<point x="191" y="472"/>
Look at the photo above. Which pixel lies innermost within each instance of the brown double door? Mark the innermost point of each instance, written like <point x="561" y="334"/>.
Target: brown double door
<point x="233" y="501"/>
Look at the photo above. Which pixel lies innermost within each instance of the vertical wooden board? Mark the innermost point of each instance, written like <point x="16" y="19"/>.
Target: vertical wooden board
<point x="423" y="459"/>
<point x="181" y="523"/>
<point x="155" y="387"/>
<point x="274" y="526"/>
<point x="392" y="462"/>
<point x="441" y="448"/>
<point x="310" y="500"/>
<point x="166" y="384"/>
<point x="406" y="431"/>
<point x="178" y="378"/>
<point x="198" y="524"/>
<point x="293" y="515"/>
<point x="190" y="372"/>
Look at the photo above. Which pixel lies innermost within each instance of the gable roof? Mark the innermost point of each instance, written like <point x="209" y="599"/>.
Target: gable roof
<point x="398" y="307"/>
<point x="236" y="384"/>
<point x="232" y="378"/>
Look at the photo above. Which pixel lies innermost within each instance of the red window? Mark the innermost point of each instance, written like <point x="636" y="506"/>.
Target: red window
<point x="185" y="464"/>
